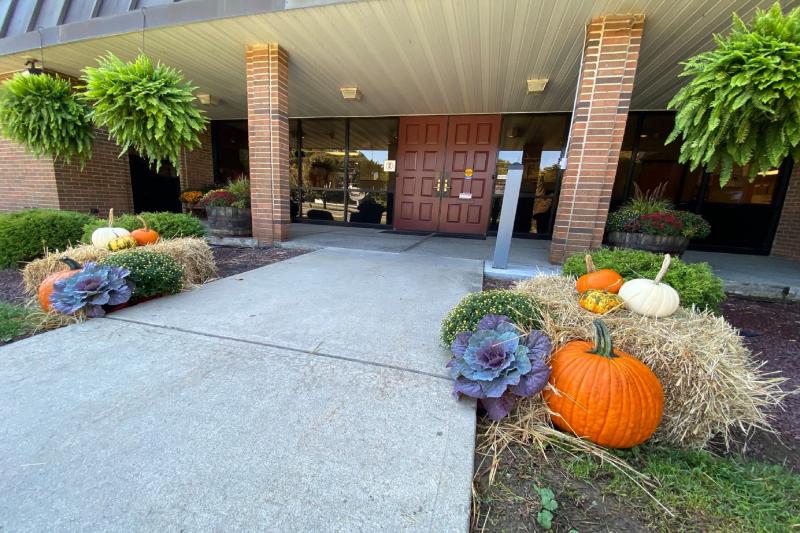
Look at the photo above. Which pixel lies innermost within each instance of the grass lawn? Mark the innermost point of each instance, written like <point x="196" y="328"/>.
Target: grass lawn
<point x="12" y="322"/>
<point x="703" y="492"/>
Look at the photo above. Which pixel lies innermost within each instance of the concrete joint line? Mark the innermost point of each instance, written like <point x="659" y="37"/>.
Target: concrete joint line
<point x="279" y="347"/>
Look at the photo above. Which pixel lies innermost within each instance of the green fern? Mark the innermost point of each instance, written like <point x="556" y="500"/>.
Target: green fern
<point x="43" y="114"/>
<point x="145" y="107"/>
<point x="742" y="103"/>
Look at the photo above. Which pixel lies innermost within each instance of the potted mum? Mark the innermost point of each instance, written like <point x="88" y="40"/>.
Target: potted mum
<point x="648" y="222"/>
<point x="191" y="203"/>
<point x="228" y="210"/>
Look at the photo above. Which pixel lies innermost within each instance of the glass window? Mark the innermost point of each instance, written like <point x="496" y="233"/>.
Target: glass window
<point x="370" y="187"/>
<point x="232" y="154"/>
<point x="535" y="141"/>
<point x="322" y="170"/>
<point x="624" y="165"/>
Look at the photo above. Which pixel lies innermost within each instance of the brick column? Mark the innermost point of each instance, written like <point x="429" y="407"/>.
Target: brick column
<point x="787" y="236"/>
<point x="603" y="97"/>
<point x="268" y="131"/>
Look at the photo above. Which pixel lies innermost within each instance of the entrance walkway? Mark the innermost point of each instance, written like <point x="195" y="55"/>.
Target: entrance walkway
<point x="749" y="275"/>
<point x="308" y="395"/>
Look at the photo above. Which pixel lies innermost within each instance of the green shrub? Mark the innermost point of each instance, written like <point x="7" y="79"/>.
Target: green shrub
<point x="240" y="188"/>
<point x="24" y="235"/>
<point x="522" y="309"/>
<point x="168" y="225"/>
<point x="153" y="273"/>
<point x="696" y="283"/>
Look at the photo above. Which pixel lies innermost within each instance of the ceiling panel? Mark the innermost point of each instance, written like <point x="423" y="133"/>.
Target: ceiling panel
<point x="419" y="57"/>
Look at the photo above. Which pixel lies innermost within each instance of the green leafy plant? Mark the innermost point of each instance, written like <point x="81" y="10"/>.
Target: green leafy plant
<point x="548" y="507"/>
<point x="696" y="283"/>
<point x="740" y="106"/>
<point x="43" y="114"/>
<point x="25" y="235"/>
<point x="168" y="225"/>
<point x="521" y="309"/>
<point x="153" y="273"/>
<point x="240" y="189"/>
<point x="145" y="107"/>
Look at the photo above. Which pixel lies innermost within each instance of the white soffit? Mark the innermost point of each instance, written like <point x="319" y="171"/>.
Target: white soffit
<point x="419" y="56"/>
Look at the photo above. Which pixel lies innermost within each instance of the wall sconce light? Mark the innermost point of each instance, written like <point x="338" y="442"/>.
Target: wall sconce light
<point x="207" y="99"/>
<point x="351" y="93"/>
<point x="536" y="86"/>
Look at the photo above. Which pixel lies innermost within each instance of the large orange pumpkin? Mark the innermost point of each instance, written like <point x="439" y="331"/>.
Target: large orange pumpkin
<point x="601" y="280"/>
<point x="144" y="235"/>
<point x="46" y="286"/>
<point x="604" y="394"/>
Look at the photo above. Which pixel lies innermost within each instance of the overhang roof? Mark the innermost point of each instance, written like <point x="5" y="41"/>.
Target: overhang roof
<point x="406" y="56"/>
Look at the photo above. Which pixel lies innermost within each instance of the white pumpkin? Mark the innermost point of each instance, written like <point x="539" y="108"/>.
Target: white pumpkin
<point x="650" y="297"/>
<point x="102" y="236"/>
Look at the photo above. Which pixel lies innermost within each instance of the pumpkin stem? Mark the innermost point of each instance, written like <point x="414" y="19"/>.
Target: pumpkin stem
<point x="664" y="267"/>
<point x="602" y="340"/>
<point x="589" y="264"/>
<point x="143" y="221"/>
<point x="111" y="217"/>
<point x="71" y="263"/>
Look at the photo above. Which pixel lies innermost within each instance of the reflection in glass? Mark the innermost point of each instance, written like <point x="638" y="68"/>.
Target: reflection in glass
<point x="370" y="187"/>
<point x="536" y="142"/>
<point x="321" y="170"/>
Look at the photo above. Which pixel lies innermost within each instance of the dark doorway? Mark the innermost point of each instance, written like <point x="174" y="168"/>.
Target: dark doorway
<point x="154" y="191"/>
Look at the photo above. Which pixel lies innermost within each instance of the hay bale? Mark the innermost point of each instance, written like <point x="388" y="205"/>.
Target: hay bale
<point x="711" y="382"/>
<point x="34" y="272"/>
<point x="193" y="254"/>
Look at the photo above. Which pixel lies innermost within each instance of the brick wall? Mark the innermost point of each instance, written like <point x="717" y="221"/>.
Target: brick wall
<point x="25" y="181"/>
<point x="611" y="53"/>
<point x="104" y="182"/>
<point x="268" y="131"/>
<point x="198" y="165"/>
<point x="787" y="236"/>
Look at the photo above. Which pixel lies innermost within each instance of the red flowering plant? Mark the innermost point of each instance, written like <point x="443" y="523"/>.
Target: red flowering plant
<point x="218" y="198"/>
<point x="665" y="224"/>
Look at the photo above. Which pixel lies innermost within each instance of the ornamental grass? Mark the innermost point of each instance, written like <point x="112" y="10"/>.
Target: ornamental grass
<point x="712" y="384"/>
<point x="192" y="254"/>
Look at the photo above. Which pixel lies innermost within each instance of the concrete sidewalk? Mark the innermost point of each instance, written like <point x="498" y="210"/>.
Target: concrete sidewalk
<point x="308" y="395"/>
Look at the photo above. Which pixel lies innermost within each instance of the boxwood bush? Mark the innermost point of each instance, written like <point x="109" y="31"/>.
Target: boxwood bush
<point x="25" y="234"/>
<point x="168" y="225"/>
<point x="523" y="311"/>
<point x="696" y="284"/>
<point x="153" y="273"/>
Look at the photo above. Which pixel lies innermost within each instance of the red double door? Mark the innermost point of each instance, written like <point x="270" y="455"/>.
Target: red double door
<point x="445" y="173"/>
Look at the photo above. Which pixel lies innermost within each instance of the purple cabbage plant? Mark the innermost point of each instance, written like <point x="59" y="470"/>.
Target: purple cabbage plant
<point x="92" y="288"/>
<point x="497" y="363"/>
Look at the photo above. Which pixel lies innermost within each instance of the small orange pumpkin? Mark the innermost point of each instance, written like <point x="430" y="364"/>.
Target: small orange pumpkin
<point x="46" y="286"/>
<point x="603" y="394"/>
<point x="601" y="280"/>
<point x="144" y="235"/>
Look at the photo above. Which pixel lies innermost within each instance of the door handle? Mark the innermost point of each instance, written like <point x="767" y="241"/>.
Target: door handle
<point x="438" y="183"/>
<point x="445" y="183"/>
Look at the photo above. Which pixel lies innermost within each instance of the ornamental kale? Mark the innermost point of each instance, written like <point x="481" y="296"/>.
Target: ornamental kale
<point x="497" y="362"/>
<point x="92" y="288"/>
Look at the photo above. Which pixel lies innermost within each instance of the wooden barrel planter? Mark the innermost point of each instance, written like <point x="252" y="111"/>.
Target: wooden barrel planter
<point x="229" y="222"/>
<point x="662" y="244"/>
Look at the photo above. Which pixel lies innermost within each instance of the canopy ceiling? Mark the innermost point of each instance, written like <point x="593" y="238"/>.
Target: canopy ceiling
<point x="417" y="56"/>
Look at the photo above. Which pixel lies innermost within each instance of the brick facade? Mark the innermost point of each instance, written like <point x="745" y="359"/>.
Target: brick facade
<point x="104" y="182"/>
<point x="198" y="165"/>
<point x="268" y="125"/>
<point x="611" y="53"/>
<point x="787" y="236"/>
<point x="25" y="181"/>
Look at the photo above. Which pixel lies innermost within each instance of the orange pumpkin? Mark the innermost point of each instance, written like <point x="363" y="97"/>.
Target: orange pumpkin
<point x="604" y="394"/>
<point x="144" y="235"/>
<point x="46" y="286"/>
<point x="601" y="280"/>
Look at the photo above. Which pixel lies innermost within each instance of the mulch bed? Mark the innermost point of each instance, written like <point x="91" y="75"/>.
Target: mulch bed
<point x="233" y="260"/>
<point x="11" y="289"/>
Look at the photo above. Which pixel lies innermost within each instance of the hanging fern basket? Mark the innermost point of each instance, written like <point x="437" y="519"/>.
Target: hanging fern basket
<point x="144" y="106"/>
<point x="43" y="114"/>
<point x="741" y="105"/>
